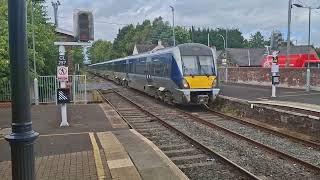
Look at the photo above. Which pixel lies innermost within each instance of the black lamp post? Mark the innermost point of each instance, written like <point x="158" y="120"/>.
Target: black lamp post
<point x="23" y="136"/>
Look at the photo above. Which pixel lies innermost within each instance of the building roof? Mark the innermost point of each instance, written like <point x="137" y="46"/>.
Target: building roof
<point x="64" y="32"/>
<point x="303" y="49"/>
<point x="240" y="56"/>
<point x="145" y="47"/>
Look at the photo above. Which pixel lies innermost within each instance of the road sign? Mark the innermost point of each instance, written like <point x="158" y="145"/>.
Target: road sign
<point x="62" y="60"/>
<point x="63" y="95"/>
<point x="62" y="73"/>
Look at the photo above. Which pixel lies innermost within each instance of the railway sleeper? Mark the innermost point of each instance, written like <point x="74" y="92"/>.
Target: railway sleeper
<point x="175" y="146"/>
<point x="190" y="159"/>
<point x="195" y="165"/>
<point x="182" y="152"/>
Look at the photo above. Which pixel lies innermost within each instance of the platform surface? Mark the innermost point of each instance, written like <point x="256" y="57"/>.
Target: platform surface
<point x="97" y="145"/>
<point x="262" y="94"/>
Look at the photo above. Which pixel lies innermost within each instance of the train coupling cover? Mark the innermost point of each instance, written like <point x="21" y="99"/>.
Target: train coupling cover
<point x="202" y="99"/>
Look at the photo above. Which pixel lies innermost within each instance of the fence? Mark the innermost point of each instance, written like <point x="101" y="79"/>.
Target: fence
<point x="289" y="77"/>
<point x="5" y="91"/>
<point x="78" y="87"/>
<point x="48" y="89"/>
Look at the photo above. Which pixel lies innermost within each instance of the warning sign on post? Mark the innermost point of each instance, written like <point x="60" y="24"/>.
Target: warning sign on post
<point x="62" y="73"/>
<point x="63" y="95"/>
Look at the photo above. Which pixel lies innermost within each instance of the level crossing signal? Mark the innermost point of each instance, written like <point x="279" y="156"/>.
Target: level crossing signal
<point x="63" y="95"/>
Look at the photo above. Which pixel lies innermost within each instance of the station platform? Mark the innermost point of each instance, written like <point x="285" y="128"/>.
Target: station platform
<point x="97" y="145"/>
<point x="295" y="98"/>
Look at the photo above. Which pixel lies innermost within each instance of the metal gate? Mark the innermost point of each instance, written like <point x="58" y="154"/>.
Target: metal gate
<point x="5" y="91"/>
<point x="48" y="89"/>
<point x="78" y="87"/>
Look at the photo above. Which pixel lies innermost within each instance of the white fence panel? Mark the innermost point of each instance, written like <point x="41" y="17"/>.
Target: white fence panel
<point x="5" y="91"/>
<point x="47" y="89"/>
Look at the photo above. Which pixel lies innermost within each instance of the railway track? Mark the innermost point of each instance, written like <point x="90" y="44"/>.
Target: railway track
<point x="196" y="160"/>
<point x="203" y="122"/>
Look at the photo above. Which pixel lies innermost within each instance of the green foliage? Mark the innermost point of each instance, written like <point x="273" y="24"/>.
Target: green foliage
<point x="100" y="51"/>
<point x="318" y="51"/>
<point x="4" y="46"/>
<point x="256" y="40"/>
<point x="234" y="40"/>
<point x="77" y="55"/>
<point x="182" y="35"/>
<point x="46" y="52"/>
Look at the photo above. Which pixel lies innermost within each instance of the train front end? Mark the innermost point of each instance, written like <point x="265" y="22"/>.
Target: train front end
<point x="198" y="68"/>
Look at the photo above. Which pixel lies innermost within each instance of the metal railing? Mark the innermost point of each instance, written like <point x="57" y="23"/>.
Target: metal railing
<point x="78" y="87"/>
<point x="5" y="91"/>
<point x="47" y="89"/>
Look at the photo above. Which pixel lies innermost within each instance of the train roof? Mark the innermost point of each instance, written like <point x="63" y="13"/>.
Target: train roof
<point x="145" y="54"/>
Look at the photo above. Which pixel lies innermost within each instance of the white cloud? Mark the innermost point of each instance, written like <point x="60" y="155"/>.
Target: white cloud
<point x="247" y="15"/>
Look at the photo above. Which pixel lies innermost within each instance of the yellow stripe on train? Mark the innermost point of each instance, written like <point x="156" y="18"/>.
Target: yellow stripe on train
<point x="200" y="82"/>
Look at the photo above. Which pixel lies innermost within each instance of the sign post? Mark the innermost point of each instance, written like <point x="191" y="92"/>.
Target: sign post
<point x="275" y="73"/>
<point x="62" y="76"/>
<point x="22" y="137"/>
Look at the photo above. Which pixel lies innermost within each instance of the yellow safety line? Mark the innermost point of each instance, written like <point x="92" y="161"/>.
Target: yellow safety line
<point x="97" y="157"/>
<point x="65" y="134"/>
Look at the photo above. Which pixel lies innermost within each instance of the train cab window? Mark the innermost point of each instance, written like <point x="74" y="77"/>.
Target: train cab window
<point x="157" y="69"/>
<point x="131" y="66"/>
<point x="190" y="65"/>
<point x="206" y="65"/>
<point x="141" y="66"/>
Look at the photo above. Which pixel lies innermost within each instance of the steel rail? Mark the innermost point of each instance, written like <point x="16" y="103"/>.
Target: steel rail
<point x="115" y="109"/>
<point x="242" y="121"/>
<point x="189" y="139"/>
<point x="270" y="149"/>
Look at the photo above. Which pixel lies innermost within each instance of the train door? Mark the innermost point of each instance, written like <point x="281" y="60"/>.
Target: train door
<point x="149" y="69"/>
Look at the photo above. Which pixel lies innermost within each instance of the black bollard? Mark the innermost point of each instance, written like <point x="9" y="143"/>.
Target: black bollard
<point x="23" y="136"/>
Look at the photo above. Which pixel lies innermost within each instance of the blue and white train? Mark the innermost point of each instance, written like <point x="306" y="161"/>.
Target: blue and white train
<point x="185" y="74"/>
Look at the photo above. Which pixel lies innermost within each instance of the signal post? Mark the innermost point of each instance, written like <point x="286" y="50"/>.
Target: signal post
<point x="84" y="32"/>
<point x="275" y="73"/>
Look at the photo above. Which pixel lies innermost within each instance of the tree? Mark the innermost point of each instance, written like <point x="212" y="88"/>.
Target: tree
<point x="256" y="40"/>
<point x="4" y="41"/>
<point x="161" y="31"/>
<point x="77" y="55"/>
<point x="46" y="52"/>
<point x="100" y="51"/>
<point x="318" y="51"/>
<point x="182" y="35"/>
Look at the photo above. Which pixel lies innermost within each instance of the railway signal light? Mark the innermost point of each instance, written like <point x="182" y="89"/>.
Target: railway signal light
<point x="83" y="25"/>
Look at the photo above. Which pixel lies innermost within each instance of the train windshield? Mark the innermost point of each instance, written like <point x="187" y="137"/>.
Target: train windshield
<point x="197" y="65"/>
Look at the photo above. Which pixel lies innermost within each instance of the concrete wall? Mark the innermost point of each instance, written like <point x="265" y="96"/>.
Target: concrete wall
<point x="289" y="77"/>
<point x="282" y="119"/>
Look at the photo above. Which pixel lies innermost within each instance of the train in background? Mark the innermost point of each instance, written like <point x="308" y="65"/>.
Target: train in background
<point x="296" y="61"/>
<point x="185" y="74"/>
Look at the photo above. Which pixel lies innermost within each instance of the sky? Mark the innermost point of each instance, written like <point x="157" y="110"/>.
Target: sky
<point x="249" y="16"/>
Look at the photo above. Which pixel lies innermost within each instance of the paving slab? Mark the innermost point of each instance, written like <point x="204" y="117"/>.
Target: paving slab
<point x="149" y="160"/>
<point x="46" y="119"/>
<point x="288" y="96"/>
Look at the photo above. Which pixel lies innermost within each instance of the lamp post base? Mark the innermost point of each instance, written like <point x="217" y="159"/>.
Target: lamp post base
<point x="22" y="153"/>
<point x="308" y="80"/>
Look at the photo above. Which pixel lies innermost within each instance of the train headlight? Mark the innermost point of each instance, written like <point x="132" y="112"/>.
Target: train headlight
<point x="214" y="83"/>
<point x="185" y="84"/>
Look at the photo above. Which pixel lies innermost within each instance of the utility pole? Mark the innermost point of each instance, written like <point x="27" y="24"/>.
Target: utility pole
<point x="35" y="80"/>
<point x="174" y="35"/>
<point x="309" y="44"/>
<point x="226" y="38"/>
<point x="308" y="69"/>
<point x="288" y="35"/>
<point x="22" y="138"/>
<point x="55" y="9"/>
<point x="208" y="39"/>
